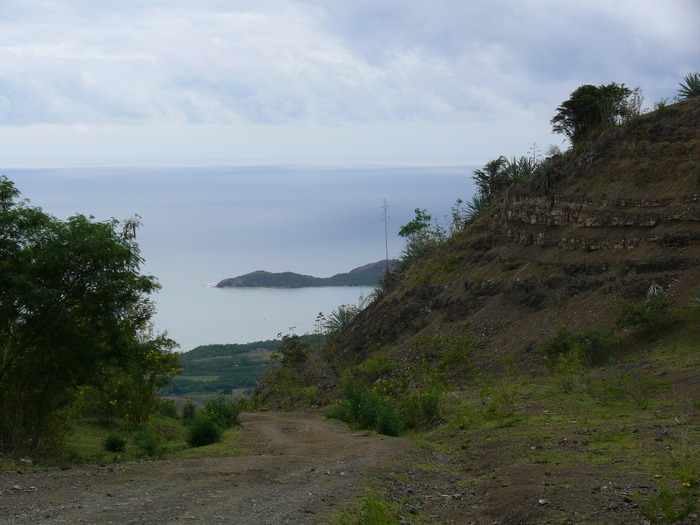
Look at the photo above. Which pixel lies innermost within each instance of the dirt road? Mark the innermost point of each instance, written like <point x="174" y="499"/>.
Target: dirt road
<point x="300" y="468"/>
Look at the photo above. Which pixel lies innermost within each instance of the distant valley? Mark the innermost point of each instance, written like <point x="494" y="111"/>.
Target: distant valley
<point x="367" y="275"/>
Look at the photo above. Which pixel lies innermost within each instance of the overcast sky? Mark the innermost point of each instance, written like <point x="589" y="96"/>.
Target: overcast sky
<point x="237" y="81"/>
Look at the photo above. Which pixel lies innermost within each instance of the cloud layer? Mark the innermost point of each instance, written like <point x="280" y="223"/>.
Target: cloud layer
<point x="313" y="63"/>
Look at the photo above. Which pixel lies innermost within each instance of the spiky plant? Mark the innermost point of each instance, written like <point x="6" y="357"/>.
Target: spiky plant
<point x="546" y="176"/>
<point x="691" y="87"/>
<point x="475" y="208"/>
<point x="695" y="299"/>
<point x="341" y="317"/>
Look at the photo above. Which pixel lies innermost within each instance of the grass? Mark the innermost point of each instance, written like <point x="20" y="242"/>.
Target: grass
<point x="161" y="437"/>
<point x="375" y="508"/>
<point x="227" y="446"/>
<point x="629" y="422"/>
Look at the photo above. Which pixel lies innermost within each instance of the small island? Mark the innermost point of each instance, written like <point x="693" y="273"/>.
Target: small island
<point x="367" y="275"/>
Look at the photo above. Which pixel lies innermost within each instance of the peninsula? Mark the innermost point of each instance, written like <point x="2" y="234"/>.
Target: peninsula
<point x="367" y="275"/>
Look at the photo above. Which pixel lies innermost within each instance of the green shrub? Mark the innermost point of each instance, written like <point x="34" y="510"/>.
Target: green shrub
<point x="376" y="366"/>
<point x="651" y="314"/>
<point x="367" y="409"/>
<point x="309" y="394"/>
<point x="114" y="442"/>
<point x="292" y="352"/>
<point x="189" y="411"/>
<point x="224" y="411"/>
<point x="421" y="407"/>
<point x="167" y="408"/>
<point x="571" y="371"/>
<point x="203" y="431"/>
<point x="457" y="354"/>
<point x="593" y="345"/>
<point x="388" y="414"/>
<point x="637" y="388"/>
<point x="147" y="442"/>
<point x="673" y="506"/>
<point x="370" y="510"/>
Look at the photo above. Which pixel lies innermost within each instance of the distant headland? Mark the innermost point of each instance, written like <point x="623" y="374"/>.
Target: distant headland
<point x="367" y="275"/>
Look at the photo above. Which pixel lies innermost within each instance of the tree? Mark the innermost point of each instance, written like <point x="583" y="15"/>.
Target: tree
<point x="73" y="310"/>
<point x="420" y="237"/>
<point x="591" y="108"/>
<point x="493" y="179"/>
<point x="293" y="351"/>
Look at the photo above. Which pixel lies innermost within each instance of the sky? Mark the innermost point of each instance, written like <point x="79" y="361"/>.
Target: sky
<point x="217" y="82"/>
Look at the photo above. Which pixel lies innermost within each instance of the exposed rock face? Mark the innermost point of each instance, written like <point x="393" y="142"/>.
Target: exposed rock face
<point x="625" y="216"/>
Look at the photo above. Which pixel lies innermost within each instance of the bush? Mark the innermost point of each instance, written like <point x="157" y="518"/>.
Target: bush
<point x="189" y="411"/>
<point x="203" y="431"/>
<point x="146" y="441"/>
<point x="224" y="411"/>
<point x="114" y="442"/>
<point x="167" y="408"/>
<point x="376" y="366"/>
<point x="593" y="345"/>
<point x="422" y="407"/>
<point x="368" y="410"/>
<point x="386" y="414"/>
<point x="670" y="505"/>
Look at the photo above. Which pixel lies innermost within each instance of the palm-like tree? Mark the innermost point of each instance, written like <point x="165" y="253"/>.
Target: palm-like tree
<point x="492" y="179"/>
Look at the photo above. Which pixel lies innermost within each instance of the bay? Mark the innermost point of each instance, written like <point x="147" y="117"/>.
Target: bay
<point x="207" y="223"/>
<point x="201" y="314"/>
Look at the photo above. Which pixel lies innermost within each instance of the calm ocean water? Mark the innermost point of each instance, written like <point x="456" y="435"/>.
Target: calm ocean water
<point x="201" y="225"/>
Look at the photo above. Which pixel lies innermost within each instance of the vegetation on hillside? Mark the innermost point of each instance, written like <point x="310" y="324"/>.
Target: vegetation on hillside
<point x="75" y="325"/>
<point x="602" y="342"/>
<point x="507" y="351"/>
<point x="210" y="369"/>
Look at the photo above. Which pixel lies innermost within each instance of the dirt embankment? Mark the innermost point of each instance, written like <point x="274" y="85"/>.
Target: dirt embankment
<point x="298" y="468"/>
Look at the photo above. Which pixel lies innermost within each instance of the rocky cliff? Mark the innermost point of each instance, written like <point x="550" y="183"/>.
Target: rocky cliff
<point x="623" y="216"/>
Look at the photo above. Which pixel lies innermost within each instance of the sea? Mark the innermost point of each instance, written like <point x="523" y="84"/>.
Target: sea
<point x="200" y="225"/>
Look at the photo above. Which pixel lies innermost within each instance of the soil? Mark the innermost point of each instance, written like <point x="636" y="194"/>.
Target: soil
<point x="294" y="468"/>
<point x="299" y="467"/>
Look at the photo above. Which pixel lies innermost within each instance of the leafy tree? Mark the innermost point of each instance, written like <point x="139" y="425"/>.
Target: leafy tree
<point x="420" y="237"/>
<point x="73" y="309"/>
<point x="691" y="86"/>
<point x="293" y="350"/>
<point x="418" y="224"/>
<point x="592" y="107"/>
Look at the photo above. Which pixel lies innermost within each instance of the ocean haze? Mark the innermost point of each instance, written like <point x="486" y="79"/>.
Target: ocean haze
<point x="201" y="225"/>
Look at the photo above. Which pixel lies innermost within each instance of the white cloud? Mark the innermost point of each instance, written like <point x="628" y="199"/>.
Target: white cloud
<point x="312" y="63"/>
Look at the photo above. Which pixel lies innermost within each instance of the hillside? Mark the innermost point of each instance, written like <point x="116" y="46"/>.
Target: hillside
<point x="547" y="354"/>
<point x="210" y="369"/>
<point x="627" y="216"/>
<point x="367" y="275"/>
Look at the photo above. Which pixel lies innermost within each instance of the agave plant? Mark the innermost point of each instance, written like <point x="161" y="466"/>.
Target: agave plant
<point x="341" y="317"/>
<point x="545" y="176"/>
<point x="695" y="299"/>
<point x="475" y="208"/>
<point x="691" y="87"/>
